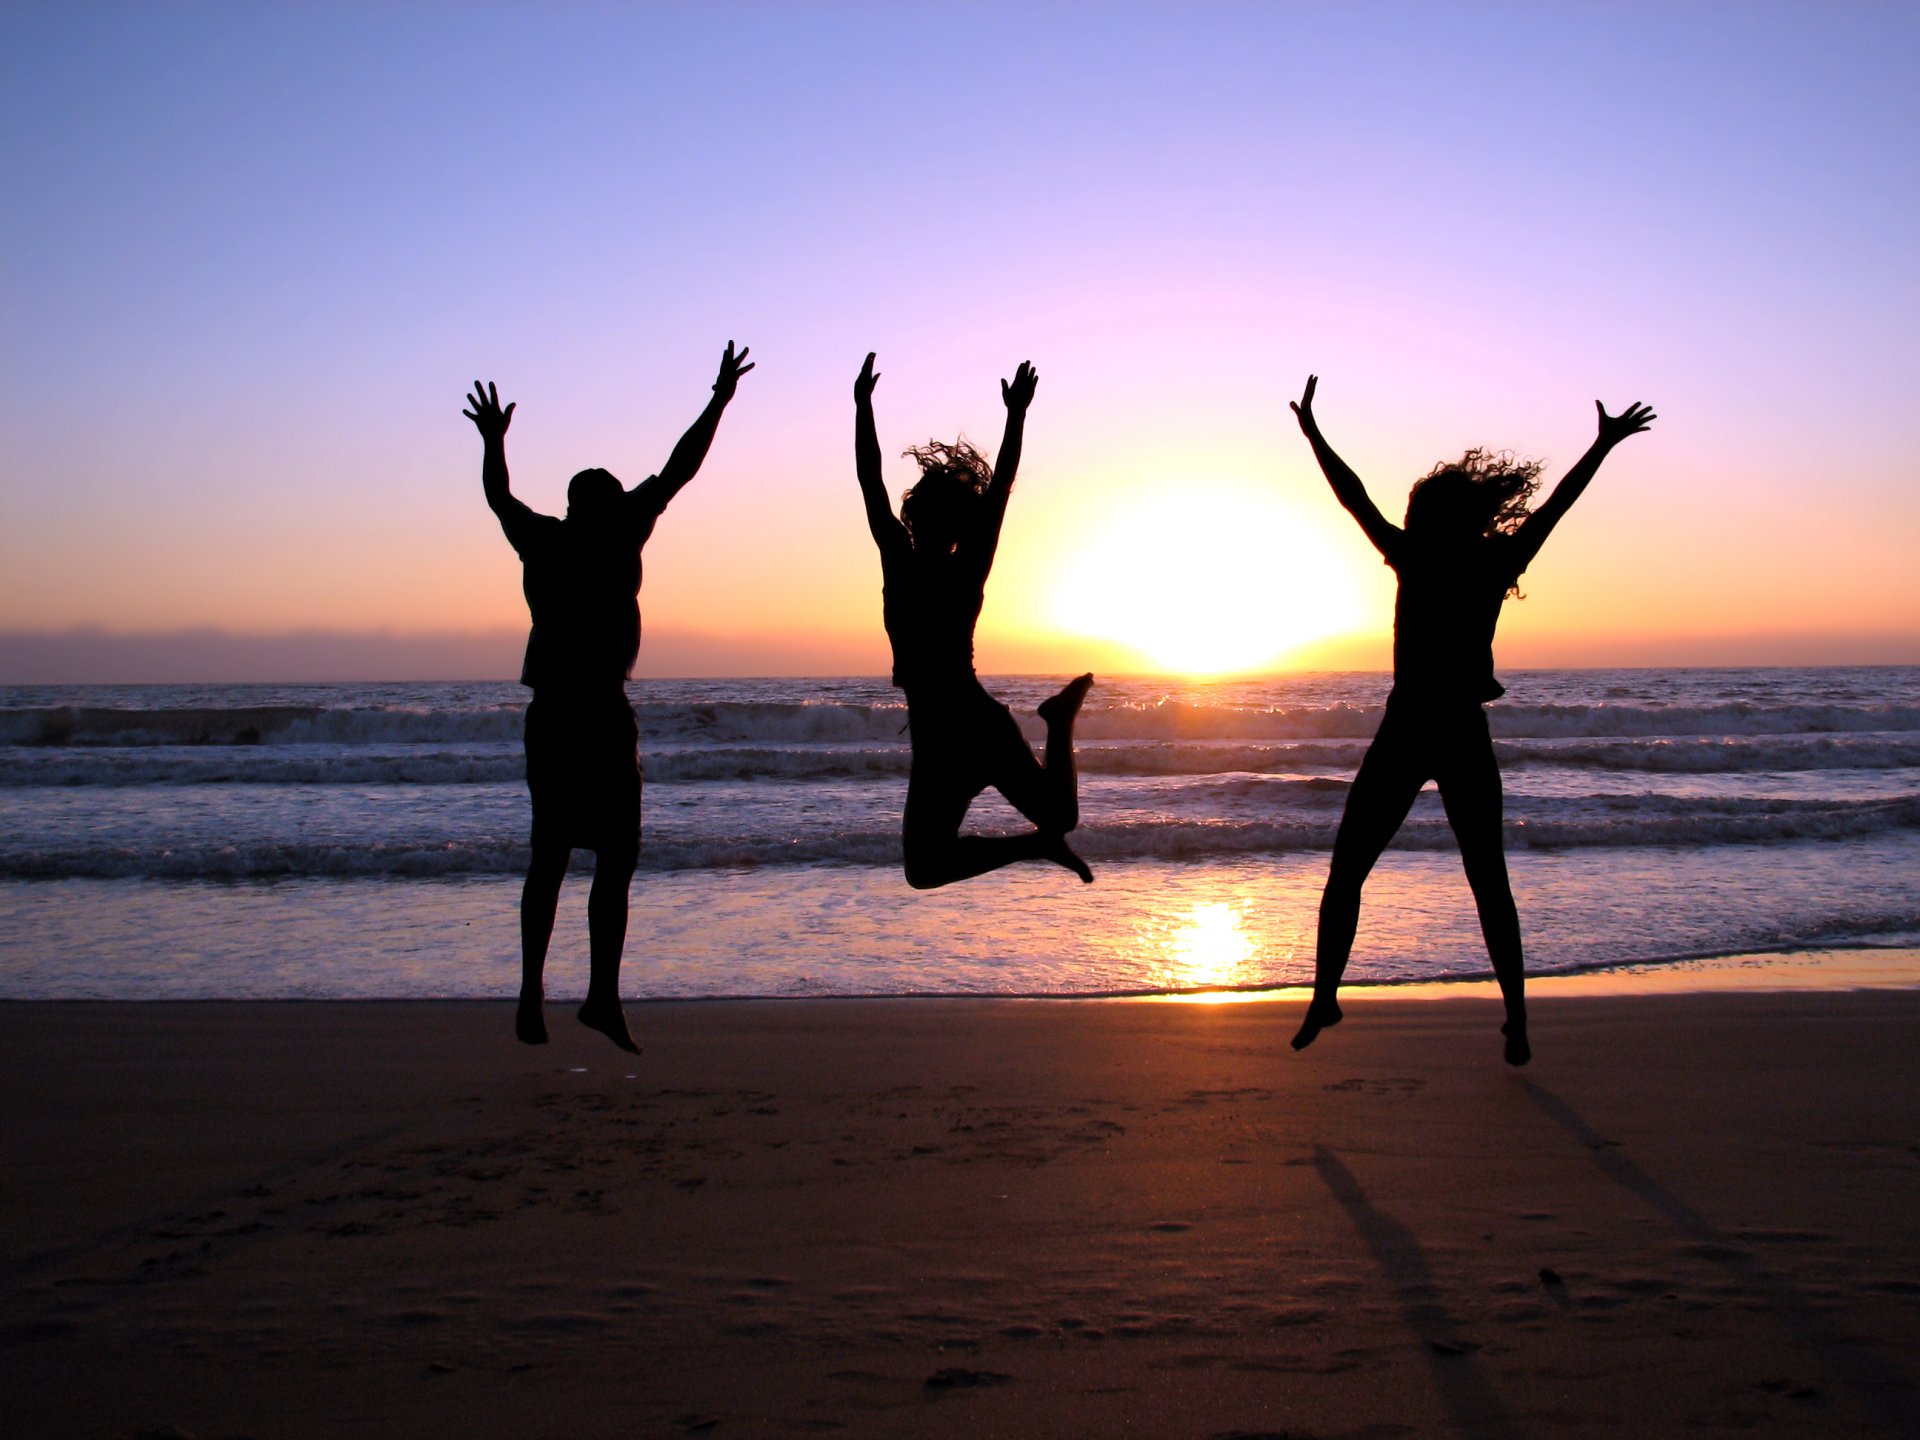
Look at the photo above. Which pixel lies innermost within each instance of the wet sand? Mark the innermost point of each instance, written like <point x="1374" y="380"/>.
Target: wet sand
<point x="1694" y="1214"/>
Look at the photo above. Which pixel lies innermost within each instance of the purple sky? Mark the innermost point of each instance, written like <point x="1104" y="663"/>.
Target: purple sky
<point x="251" y="256"/>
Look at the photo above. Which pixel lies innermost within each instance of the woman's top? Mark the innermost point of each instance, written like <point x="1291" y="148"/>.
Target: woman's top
<point x="1445" y="613"/>
<point x="930" y="610"/>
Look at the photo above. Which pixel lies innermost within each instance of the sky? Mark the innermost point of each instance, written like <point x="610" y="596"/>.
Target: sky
<point x="251" y="258"/>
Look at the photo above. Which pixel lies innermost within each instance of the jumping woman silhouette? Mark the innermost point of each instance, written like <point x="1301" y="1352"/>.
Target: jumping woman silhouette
<point x="1467" y="538"/>
<point x="934" y="559"/>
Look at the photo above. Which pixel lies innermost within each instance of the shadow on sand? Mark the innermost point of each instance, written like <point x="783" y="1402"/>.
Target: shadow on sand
<point x="1886" y="1391"/>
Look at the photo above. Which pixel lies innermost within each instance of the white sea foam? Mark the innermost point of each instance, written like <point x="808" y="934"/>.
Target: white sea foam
<point x="676" y="845"/>
<point x="450" y="761"/>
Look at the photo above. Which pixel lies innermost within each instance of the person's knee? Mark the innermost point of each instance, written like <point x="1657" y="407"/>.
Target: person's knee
<point x="1484" y="859"/>
<point x="549" y="863"/>
<point x="614" y="868"/>
<point x="923" y="866"/>
<point x="1345" y="880"/>
<point x="1490" y="885"/>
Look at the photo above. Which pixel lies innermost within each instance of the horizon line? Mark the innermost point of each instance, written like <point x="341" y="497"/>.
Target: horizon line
<point x="209" y="655"/>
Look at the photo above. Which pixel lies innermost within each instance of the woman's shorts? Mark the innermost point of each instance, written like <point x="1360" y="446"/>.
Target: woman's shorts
<point x="964" y="735"/>
<point x="583" y="769"/>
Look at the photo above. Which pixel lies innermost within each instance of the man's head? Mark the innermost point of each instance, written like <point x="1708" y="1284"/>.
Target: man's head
<point x="591" y="494"/>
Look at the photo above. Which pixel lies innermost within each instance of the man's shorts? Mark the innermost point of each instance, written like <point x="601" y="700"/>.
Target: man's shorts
<point x="583" y="769"/>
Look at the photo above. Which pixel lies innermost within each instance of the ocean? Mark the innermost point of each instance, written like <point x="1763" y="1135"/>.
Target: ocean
<point x="342" y="841"/>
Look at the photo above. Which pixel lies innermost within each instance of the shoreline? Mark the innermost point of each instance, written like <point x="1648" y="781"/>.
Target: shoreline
<point x="1809" y="969"/>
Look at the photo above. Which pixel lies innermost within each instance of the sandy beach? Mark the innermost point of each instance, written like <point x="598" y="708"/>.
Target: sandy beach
<point x="1694" y="1214"/>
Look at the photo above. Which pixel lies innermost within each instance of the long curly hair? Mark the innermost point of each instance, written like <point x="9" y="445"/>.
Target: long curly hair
<point x="1486" y="491"/>
<point x="944" y="503"/>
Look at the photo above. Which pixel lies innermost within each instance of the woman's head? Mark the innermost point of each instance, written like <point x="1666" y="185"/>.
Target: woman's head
<point x="1481" y="493"/>
<point x="944" y="506"/>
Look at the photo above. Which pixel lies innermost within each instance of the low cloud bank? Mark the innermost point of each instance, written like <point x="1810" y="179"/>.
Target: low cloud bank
<point x="208" y="656"/>
<point x="97" y="656"/>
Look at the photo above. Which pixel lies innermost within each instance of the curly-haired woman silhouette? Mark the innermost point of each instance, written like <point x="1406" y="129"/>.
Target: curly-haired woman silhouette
<point x="1467" y="538"/>
<point x="934" y="559"/>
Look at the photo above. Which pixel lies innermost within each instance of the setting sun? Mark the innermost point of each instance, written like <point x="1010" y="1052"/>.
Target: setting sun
<point x="1212" y="579"/>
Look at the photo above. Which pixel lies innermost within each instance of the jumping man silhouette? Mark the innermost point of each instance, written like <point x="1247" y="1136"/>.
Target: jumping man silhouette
<point x="582" y="582"/>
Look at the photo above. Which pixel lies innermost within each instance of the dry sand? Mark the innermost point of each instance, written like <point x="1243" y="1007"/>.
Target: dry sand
<point x="1692" y="1215"/>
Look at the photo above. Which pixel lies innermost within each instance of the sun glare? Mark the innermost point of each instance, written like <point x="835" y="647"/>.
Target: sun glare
<point x="1208" y="580"/>
<point x="1212" y="947"/>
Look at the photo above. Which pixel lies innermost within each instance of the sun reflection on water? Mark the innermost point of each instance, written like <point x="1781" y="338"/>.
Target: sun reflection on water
<point x="1210" y="946"/>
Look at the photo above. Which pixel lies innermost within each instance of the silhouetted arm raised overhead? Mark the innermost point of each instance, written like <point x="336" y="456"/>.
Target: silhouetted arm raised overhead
<point x="884" y="525"/>
<point x="1017" y="395"/>
<point x="652" y="494"/>
<point x="1347" y="488"/>
<point x="1534" y="530"/>
<point x="516" y="518"/>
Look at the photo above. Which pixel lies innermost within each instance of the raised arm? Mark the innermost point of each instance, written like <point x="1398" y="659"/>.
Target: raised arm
<point x="684" y="463"/>
<point x="1017" y="395"/>
<point x="884" y="525"/>
<point x="492" y="422"/>
<point x="1534" y="530"/>
<point x="1347" y="488"/>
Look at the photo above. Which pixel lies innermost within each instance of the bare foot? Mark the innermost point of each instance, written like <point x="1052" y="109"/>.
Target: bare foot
<point x="1066" y="704"/>
<point x="1062" y="853"/>
<point x="607" y="1017"/>
<point x="530" y="1023"/>
<point x="1321" y="1015"/>
<point x="1518" y="1051"/>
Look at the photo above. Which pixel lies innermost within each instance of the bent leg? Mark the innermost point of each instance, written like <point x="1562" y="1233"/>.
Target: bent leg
<point x="1470" y="789"/>
<point x="939" y="795"/>
<point x="962" y="857"/>
<point x="539" y="899"/>
<point x="1383" y="792"/>
<point x="1047" y="794"/>
<point x="1062" y="779"/>
<point x="606" y="940"/>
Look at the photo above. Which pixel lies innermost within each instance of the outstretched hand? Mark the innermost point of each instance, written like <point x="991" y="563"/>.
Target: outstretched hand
<point x="1630" y="421"/>
<point x="864" y="382"/>
<point x="487" y="416"/>
<point x="730" y="372"/>
<point x="1018" y="392"/>
<point x="1303" y="407"/>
